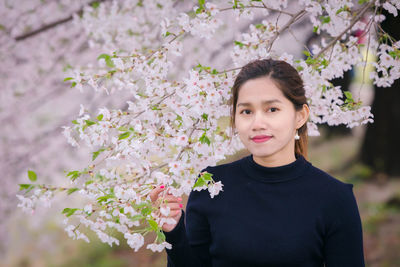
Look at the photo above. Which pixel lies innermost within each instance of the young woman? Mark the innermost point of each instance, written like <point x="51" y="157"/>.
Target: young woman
<point x="276" y="208"/>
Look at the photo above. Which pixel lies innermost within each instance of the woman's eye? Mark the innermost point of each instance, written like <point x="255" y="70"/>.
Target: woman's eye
<point x="244" y="111"/>
<point x="273" y="109"/>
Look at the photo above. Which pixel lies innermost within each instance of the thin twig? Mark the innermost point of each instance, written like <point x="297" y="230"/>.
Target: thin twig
<point x="359" y="15"/>
<point x="52" y="24"/>
<point x="264" y="7"/>
<point x="294" y="18"/>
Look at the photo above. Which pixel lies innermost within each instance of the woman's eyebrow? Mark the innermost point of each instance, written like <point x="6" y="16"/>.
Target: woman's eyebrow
<point x="265" y="102"/>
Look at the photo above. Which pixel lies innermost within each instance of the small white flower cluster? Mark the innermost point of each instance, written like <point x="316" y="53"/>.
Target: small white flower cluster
<point x="392" y="6"/>
<point x="39" y="197"/>
<point x="204" y="24"/>
<point x="159" y="247"/>
<point x="388" y="66"/>
<point x="253" y="45"/>
<point x="134" y="240"/>
<point x="75" y="233"/>
<point x="119" y="22"/>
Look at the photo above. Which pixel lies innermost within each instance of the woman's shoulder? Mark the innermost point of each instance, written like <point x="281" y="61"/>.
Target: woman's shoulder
<point x="330" y="186"/>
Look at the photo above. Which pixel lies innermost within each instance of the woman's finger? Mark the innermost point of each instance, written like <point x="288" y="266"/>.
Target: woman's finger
<point x="172" y="199"/>
<point x="174" y="206"/>
<point x="154" y="193"/>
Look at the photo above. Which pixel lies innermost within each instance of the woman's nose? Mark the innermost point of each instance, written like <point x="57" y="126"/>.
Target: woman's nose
<point x="259" y="122"/>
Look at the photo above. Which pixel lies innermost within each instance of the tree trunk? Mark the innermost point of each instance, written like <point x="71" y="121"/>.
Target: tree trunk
<point x="381" y="144"/>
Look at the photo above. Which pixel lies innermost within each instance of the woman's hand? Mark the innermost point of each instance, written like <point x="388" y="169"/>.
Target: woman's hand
<point x="169" y="201"/>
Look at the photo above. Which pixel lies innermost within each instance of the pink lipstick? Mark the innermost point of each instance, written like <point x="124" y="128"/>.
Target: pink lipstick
<point x="261" y="138"/>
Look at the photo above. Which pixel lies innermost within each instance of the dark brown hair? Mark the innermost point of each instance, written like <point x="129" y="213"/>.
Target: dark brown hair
<point x="287" y="79"/>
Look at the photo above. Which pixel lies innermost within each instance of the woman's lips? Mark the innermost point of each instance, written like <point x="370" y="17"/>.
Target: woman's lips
<point x="261" y="139"/>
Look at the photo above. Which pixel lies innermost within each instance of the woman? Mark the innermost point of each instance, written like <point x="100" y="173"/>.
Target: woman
<point x="276" y="208"/>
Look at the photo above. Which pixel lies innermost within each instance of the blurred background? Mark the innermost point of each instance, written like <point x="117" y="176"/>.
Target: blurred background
<point x="40" y="41"/>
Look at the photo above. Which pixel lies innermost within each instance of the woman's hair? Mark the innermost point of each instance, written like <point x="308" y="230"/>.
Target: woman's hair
<point x="287" y="79"/>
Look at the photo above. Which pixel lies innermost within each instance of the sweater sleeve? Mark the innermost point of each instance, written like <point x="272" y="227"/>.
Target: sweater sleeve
<point x="191" y="241"/>
<point x="344" y="240"/>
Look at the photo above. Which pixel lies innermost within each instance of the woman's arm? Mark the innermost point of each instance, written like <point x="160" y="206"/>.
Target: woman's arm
<point x="184" y="252"/>
<point x="344" y="240"/>
<point x="191" y="240"/>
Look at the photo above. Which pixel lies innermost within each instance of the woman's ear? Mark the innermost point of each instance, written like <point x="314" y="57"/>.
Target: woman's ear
<point x="302" y="116"/>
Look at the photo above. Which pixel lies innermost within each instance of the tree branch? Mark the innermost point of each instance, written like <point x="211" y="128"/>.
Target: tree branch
<point x="357" y="18"/>
<point x="293" y="19"/>
<point x="53" y="24"/>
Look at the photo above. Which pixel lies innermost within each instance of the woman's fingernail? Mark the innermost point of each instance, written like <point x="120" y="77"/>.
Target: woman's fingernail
<point x="180" y="205"/>
<point x="179" y="199"/>
<point x="162" y="186"/>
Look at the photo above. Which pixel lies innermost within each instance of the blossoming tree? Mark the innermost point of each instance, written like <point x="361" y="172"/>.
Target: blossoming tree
<point x="172" y="124"/>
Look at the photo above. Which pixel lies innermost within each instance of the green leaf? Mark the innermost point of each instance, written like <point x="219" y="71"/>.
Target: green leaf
<point x="201" y="3"/>
<point x="205" y="116"/>
<point x="124" y="135"/>
<point x="25" y="186"/>
<point x="198" y="11"/>
<point x="235" y="4"/>
<point x="100" y="117"/>
<point x="107" y="59"/>
<point x="75" y="122"/>
<point x="348" y="95"/>
<point x="68" y="78"/>
<point x="259" y="26"/>
<point x="240" y="44"/>
<point x="206" y="176"/>
<point x="325" y="62"/>
<point x="307" y="53"/>
<point x="73" y="84"/>
<point x="325" y="19"/>
<point x="340" y="10"/>
<point x="32" y="176"/>
<point x="199" y="183"/>
<point x="155" y="107"/>
<point x="150" y="61"/>
<point x="72" y="190"/>
<point x="360" y="2"/>
<point x="89" y="122"/>
<point x="160" y="236"/>
<point x="122" y="128"/>
<point x="315" y="29"/>
<point x="104" y="198"/>
<point x="146" y="211"/>
<point x="74" y="174"/>
<point x="153" y="224"/>
<point x="204" y="139"/>
<point x="68" y="211"/>
<point x="95" y="4"/>
<point x="394" y="54"/>
<point x="97" y="153"/>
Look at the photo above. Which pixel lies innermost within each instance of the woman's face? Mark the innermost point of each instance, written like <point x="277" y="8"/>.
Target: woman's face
<point x="266" y="122"/>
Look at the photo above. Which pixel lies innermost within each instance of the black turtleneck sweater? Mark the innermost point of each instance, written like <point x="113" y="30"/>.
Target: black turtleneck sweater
<point x="291" y="215"/>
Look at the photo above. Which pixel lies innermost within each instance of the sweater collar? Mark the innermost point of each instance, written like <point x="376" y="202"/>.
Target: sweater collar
<point x="274" y="174"/>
